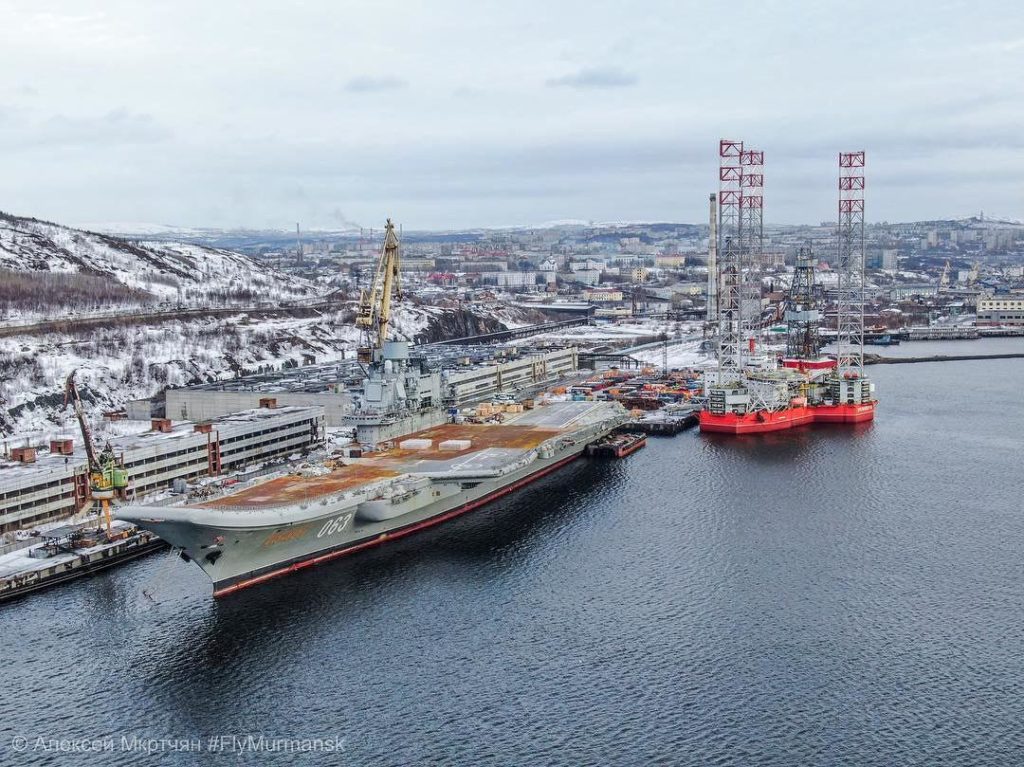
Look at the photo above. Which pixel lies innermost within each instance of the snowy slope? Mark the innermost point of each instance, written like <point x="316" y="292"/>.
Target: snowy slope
<point x="167" y="270"/>
<point x="139" y="353"/>
<point x="122" y="362"/>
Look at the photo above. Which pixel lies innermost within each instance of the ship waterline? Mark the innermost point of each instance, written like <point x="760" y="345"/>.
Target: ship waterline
<point x="761" y="421"/>
<point x="288" y="523"/>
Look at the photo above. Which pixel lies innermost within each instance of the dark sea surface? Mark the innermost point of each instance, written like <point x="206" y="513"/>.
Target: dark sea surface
<point x="994" y="345"/>
<point x="825" y="596"/>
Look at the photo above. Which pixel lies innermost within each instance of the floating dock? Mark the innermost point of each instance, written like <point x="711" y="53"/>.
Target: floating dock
<point x="617" y="445"/>
<point x="69" y="552"/>
<point x="667" y="425"/>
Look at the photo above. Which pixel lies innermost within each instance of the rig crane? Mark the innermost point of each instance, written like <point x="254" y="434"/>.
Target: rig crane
<point x="374" y="314"/>
<point x="106" y="478"/>
<point x="802" y="313"/>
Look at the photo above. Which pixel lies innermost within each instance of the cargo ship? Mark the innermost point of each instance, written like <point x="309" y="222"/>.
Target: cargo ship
<point x="418" y="463"/>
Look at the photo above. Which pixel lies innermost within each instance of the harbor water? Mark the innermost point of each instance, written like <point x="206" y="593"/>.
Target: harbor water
<point x="824" y="596"/>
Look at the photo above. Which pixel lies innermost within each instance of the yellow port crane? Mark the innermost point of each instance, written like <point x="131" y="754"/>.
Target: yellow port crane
<point x="374" y="314"/>
<point x="106" y="477"/>
<point x="944" y="279"/>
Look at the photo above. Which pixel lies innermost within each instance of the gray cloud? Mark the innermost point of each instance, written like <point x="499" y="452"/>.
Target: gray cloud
<point x="486" y="135"/>
<point x="594" y="77"/>
<point x="367" y="84"/>
<point x="117" y="127"/>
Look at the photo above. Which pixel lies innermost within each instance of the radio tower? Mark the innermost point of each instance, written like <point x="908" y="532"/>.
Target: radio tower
<point x="730" y="266"/>
<point x="850" y="292"/>
<point x="752" y="234"/>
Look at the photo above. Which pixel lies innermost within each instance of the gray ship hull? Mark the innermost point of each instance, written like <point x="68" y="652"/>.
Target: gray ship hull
<point x="243" y="547"/>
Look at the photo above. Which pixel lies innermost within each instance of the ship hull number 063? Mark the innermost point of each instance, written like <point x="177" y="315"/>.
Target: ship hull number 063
<point x="335" y="525"/>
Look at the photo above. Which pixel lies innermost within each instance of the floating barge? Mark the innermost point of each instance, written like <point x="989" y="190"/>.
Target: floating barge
<point x="666" y="424"/>
<point x="617" y="445"/>
<point x="70" y="552"/>
<point x="787" y="418"/>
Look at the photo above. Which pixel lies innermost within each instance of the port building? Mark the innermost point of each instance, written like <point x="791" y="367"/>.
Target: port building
<point x="1001" y="310"/>
<point x="39" y="485"/>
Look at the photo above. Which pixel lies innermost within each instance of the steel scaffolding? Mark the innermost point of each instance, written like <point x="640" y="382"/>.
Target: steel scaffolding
<point x="751" y="237"/>
<point x="730" y="262"/>
<point x="850" y="265"/>
<point x="802" y="313"/>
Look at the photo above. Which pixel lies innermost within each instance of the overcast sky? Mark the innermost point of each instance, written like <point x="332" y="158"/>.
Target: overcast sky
<point x="447" y="114"/>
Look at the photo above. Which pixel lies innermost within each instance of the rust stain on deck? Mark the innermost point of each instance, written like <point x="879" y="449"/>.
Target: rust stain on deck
<point x="482" y="437"/>
<point x="381" y="465"/>
<point x="295" y="489"/>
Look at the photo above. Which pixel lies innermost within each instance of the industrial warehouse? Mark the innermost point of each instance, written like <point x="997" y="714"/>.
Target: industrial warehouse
<point x="38" y="485"/>
<point x="469" y="374"/>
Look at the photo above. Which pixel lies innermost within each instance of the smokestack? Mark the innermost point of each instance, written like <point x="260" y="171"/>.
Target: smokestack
<point x="298" y="244"/>
<point x="713" y="281"/>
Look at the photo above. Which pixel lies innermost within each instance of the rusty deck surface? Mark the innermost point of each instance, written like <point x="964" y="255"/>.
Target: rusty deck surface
<point x="481" y="437"/>
<point x="295" y="488"/>
<point x="531" y="430"/>
<point x="281" y="491"/>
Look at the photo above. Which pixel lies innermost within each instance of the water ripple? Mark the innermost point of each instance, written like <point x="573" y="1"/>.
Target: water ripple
<point x="826" y="596"/>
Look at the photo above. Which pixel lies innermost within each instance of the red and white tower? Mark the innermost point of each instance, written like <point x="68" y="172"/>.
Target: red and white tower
<point x="850" y="265"/>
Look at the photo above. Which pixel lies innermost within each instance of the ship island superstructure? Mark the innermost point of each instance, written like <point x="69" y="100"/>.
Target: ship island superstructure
<point x="751" y="389"/>
<point x="417" y="464"/>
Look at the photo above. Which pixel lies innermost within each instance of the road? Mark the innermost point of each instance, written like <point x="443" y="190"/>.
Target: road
<point x="82" y="322"/>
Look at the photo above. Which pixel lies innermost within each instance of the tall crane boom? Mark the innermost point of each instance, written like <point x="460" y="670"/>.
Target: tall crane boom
<point x="71" y="397"/>
<point x="374" y="313"/>
<point x="944" y="279"/>
<point x="106" y="478"/>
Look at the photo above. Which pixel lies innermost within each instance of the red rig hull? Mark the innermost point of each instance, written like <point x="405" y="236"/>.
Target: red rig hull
<point x="789" y="418"/>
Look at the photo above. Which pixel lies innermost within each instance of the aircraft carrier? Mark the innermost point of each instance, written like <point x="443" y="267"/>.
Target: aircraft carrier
<point x="419" y="463"/>
<point x="284" y="524"/>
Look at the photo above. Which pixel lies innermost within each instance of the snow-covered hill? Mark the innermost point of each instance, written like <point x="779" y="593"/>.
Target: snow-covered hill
<point x="176" y="271"/>
<point x="125" y="361"/>
<point x="96" y="284"/>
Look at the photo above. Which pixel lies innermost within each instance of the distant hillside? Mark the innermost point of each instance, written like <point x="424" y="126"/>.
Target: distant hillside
<point x="95" y="284"/>
<point x="152" y="271"/>
<point x="127" y="360"/>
